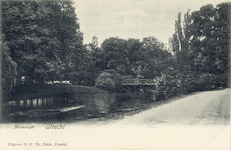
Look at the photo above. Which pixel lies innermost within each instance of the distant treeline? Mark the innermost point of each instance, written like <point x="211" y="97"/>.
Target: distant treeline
<point x="42" y="42"/>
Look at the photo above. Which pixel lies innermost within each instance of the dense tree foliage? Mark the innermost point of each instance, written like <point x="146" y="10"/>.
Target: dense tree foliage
<point x="210" y="41"/>
<point x="85" y="66"/>
<point x="201" y="53"/>
<point x="42" y="42"/>
<point x="41" y="36"/>
<point x="132" y="57"/>
<point x="155" y="58"/>
<point x="115" y="54"/>
<point x="8" y="76"/>
<point x="202" y="44"/>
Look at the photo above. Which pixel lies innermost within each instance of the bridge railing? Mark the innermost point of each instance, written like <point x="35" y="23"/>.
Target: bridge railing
<point x="138" y="82"/>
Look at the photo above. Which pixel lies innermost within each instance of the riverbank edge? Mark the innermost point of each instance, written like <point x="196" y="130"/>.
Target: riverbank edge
<point x="41" y="90"/>
<point x="119" y="115"/>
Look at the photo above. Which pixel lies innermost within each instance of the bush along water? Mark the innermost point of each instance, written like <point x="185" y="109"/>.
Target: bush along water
<point x="109" y="80"/>
<point x="175" y="84"/>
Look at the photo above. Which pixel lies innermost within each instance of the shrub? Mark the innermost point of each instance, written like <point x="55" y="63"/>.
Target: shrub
<point x="109" y="80"/>
<point x="172" y="84"/>
<point x="106" y="84"/>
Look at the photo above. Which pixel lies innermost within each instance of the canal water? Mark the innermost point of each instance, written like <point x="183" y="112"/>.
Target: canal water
<point x="70" y="107"/>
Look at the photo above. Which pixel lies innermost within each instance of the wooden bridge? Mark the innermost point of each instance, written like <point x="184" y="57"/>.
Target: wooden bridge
<point x="138" y="82"/>
<point x="138" y="85"/>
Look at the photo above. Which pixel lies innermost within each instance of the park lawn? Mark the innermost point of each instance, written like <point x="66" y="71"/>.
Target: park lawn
<point x="39" y="90"/>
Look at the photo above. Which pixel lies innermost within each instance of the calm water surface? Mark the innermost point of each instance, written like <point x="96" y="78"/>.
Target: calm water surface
<point x="70" y="107"/>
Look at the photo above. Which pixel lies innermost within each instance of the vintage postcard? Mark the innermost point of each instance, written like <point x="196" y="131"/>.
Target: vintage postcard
<point x="115" y="74"/>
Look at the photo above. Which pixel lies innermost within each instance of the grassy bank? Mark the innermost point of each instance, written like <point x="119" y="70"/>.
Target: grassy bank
<point x="35" y="90"/>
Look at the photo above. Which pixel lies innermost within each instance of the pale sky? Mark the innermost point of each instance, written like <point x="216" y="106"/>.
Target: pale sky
<point x="132" y="18"/>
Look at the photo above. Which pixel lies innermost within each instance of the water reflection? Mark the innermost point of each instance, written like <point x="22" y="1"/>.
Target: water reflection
<point x="61" y="107"/>
<point x="28" y="103"/>
<point x="100" y="103"/>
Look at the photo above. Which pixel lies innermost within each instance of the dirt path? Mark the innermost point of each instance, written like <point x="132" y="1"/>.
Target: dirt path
<point x="199" y="121"/>
<point x="206" y="108"/>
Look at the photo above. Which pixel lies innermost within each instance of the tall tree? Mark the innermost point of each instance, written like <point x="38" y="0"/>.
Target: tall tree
<point x="155" y="57"/>
<point x="203" y="39"/>
<point x="181" y="40"/>
<point x="115" y="54"/>
<point x="40" y="35"/>
<point x="210" y="42"/>
<point x="8" y="73"/>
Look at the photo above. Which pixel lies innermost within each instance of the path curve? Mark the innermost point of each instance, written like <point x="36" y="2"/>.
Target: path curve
<point x="205" y="108"/>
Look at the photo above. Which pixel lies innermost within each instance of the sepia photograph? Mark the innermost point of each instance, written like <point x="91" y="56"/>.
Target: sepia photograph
<point x="115" y="74"/>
